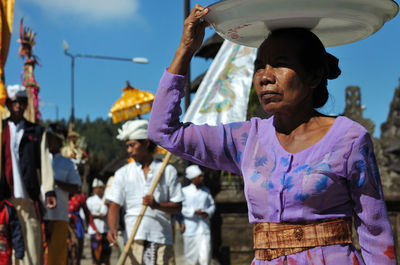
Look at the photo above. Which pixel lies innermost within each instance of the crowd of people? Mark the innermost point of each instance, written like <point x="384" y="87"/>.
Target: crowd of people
<point x="35" y="173"/>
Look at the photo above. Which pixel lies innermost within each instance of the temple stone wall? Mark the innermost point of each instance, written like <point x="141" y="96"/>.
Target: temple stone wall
<point x="236" y="234"/>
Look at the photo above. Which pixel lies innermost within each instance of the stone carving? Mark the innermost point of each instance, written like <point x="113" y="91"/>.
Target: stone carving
<point x="354" y="109"/>
<point x="390" y="144"/>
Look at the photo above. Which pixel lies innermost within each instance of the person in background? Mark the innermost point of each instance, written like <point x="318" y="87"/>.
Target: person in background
<point x="307" y="176"/>
<point x="197" y="208"/>
<point x="76" y="229"/>
<point x="25" y="167"/>
<point x="67" y="182"/>
<point x="10" y="234"/>
<point x="96" y="204"/>
<point x="153" y="241"/>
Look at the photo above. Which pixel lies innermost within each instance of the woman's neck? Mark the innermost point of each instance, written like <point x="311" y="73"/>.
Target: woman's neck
<point x="286" y="123"/>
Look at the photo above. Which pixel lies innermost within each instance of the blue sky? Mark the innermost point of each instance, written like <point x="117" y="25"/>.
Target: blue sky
<point x="152" y="29"/>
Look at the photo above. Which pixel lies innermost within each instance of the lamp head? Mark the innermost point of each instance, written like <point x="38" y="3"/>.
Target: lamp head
<point x="140" y="60"/>
<point x="65" y="46"/>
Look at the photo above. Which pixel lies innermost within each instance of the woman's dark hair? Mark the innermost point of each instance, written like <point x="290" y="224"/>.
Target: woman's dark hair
<point x="152" y="146"/>
<point x="314" y="58"/>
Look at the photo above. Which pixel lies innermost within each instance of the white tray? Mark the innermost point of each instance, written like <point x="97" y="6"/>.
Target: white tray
<point x="335" y="22"/>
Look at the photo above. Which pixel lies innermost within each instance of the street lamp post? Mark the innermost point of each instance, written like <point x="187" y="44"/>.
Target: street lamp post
<point x="140" y="60"/>
<point x="188" y="84"/>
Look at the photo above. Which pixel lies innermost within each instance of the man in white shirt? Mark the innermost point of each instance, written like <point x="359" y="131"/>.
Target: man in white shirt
<point x="26" y="167"/>
<point x="131" y="184"/>
<point x="96" y="204"/>
<point x="197" y="209"/>
<point x="67" y="181"/>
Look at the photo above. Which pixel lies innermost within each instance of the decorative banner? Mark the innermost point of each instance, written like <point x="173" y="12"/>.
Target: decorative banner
<point x="27" y="40"/>
<point x="223" y="94"/>
<point x="6" y="22"/>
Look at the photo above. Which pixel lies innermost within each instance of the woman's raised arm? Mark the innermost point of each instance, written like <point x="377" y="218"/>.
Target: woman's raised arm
<point x="192" y="38"/>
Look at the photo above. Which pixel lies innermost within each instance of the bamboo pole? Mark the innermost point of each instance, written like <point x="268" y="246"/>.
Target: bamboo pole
<point x="124" y="253"/>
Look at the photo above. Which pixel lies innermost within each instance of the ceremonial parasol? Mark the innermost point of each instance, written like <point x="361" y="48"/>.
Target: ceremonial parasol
<point x="131" y="104"/>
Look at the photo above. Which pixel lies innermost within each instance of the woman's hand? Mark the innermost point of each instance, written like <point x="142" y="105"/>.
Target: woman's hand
<point x="192" y="38"/>
<point x="194" y="30"/>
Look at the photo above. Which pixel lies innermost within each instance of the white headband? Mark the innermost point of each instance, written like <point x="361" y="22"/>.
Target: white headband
<point x="193" y="171"/>
<point x="16" y="91"/>
<point x="133" y="130"/>
<point x="97" y="183"/>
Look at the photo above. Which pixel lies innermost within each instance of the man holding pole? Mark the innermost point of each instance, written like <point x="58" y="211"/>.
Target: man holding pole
<point x="131" y="187"/>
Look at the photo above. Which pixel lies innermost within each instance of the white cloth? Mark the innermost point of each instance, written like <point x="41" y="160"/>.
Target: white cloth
<point x="64" y="171"/>
<point x="224" y="92"/>
<point x="128" y="188"/>
<point x="16" y="91"/>
<point x="193" y="171"/>
<point x="96" y="206"/>
<point x="197" y="199"/>
<point x="97" y="183"/>
<point x="197" y="249"/>
<point x="133" y="130"/>
<point x="16" y="133"/>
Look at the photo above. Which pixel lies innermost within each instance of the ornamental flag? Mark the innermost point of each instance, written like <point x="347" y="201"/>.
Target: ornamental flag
<point x="223" y="94"/>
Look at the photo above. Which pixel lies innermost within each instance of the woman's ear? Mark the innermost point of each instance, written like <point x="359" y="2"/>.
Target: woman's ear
<point x="315" y="78"/>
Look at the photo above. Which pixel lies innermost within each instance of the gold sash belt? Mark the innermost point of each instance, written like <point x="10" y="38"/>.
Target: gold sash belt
<point x="272" y="240"/>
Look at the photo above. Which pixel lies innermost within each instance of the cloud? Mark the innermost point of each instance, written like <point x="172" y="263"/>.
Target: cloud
<point x="90" y="9"/>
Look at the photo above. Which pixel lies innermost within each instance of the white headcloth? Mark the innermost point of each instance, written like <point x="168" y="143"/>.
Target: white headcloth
<point x="193" y="171"/>
<point x="133" y="130"/>
<point x="97" y="183"/>
<point x="16" y="91"/>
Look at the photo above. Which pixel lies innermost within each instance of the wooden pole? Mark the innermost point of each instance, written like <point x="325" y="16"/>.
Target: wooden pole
<point x="124" y="253"/>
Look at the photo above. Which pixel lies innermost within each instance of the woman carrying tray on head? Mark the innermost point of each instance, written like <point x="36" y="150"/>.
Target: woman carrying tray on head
<point x="306" y="174"/>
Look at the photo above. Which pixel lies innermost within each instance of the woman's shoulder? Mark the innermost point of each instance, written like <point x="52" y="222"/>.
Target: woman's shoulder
<point x="349" y="124"/>
<point x="346" y="129"/>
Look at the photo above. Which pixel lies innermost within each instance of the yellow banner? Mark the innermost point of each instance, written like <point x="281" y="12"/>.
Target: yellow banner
<point x="7" y="13"/>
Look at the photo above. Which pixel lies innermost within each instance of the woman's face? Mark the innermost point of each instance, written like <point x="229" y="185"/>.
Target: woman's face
<point x="280" y="80"/>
